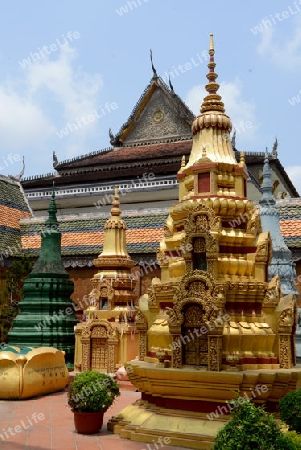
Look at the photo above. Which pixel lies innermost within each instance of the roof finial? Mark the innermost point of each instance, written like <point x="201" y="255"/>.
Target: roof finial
<point x="112" y="137"/>
<point x="153" y="67"/>
<point x="211" y="46"/>
<point x="18" y="177"/>
<point x="183" y="162"/>
<point x="116" y="211"/>
<point x="54" y="159"/>
<point x="169" y="81"/>
<point x="275" y="146"/>
<point x="204" y="151"/>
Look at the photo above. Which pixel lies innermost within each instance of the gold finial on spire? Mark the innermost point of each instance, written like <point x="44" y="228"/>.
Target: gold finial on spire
<point x="204" y="151"/>
<point x="183" y="162"/>
<point x="212" y="102"/>
<point x="116" y="211"/>
<point x="211" y="47"/>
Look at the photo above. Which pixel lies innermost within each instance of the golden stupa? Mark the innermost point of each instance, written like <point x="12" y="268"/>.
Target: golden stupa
<point x="107" y="339"/>
<point x="214" y="326"/>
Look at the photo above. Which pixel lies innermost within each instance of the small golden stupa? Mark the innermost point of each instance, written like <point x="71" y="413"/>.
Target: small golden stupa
<point x="214" y="327"/>
<point x="107" y="339"/>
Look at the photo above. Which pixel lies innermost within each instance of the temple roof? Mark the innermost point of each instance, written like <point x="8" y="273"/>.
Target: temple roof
<point x="123" y="163"/>
<point x="84" y="237"/>
<point x="171" y="118"/>
<point x="290" y="223"/>
<point x="13" y="207"/>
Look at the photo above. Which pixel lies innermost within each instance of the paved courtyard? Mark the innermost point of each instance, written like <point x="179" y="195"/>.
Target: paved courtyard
<point x="46" y="423"/>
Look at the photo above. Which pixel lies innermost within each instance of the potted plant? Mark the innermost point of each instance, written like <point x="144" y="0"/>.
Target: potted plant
<point x="90" y="394"/>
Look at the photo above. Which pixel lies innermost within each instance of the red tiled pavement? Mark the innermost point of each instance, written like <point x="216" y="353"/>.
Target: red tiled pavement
<point x="56" y="431"/>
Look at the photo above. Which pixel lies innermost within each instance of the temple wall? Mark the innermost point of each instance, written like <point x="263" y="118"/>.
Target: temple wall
<point x="82" y="285"/>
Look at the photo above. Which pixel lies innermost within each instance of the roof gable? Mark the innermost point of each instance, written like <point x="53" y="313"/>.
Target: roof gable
<point x="158" y="116"/>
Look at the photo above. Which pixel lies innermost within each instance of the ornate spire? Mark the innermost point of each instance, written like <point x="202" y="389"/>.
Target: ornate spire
<point x="267" y="184"/>
<point x="212" y="127"/>
<point x="114" y="253"/>
<point x="281" y="263"/>
<point x="213" y="101"/>
<point x="50" y="259"/>
<point x="116" y="211"/>
<point x="52" y="221"/>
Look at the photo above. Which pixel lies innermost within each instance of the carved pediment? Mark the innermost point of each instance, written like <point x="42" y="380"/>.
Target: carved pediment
<point x="197" y="294"/>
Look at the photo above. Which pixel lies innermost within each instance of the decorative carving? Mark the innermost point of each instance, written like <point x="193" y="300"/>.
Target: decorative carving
<point x="94" y="297"/>
<point x="197" y="226"/>
<point x="195" y="304"/>
<point x="254" y="224"/>
<point x="215" y="354"/>
<point x="86" y="333"/>
<point x="199" y="245"/>
<point x="99" y="343"/>
<point x="167" y="231"/>
<point x="161" y="258"/>
<point x="264" y="250"/>
<point x="286" y="318"/>
<point x="193" y="315"/>
<point x="177" y="352"/>
<point x="142" y="344"/>
<point x="99" y="332"/>
<point x="273" y="293"/>
<point x="285" y="359"/>
<point x="152" y="300"/>
<point x="170" y="124"/>
<point x="201" y="222"/>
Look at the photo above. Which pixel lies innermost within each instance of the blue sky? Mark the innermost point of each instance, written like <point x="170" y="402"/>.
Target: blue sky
<point x="87" y="63"/>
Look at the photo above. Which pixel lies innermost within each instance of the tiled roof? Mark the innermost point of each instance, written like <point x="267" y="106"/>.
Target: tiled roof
<point x="13" y="207"/>
<point x="85" y="236"/>
<point x="125" y="163"/>
<point x="132" y="154"/>
<point x="290" y="221"/>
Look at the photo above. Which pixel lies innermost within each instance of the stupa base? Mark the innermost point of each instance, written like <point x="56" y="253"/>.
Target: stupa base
<point x="144" y="422"/>
<point x="187" y="407"/>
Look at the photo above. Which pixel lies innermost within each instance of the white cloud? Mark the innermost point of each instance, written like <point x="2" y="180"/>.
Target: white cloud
<point x="36" y="105"/>
<point x="22" y="122"/>
<point x="280" y="49"/>
<point x="241" y="112"/>
<point x="74" y="90"/>
<point x="294" y="172"/>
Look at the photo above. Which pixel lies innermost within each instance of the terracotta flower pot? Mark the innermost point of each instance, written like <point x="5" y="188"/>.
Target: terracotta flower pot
<point x="88" y="422"/>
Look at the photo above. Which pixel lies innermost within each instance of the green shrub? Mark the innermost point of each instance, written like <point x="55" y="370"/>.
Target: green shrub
<point x="295" y="439"/>
<point x="290" y="410"/>
<point x="253" y="428"/>
<point x="92" y="392"/>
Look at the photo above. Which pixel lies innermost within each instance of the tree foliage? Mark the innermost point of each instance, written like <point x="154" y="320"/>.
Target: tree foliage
<point x="290" y="410"/>
<point x="14" y="280"/>
<point x="253" y="428"/>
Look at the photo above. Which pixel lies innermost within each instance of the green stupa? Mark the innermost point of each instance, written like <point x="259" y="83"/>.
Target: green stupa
<point x="47" y="316"/>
